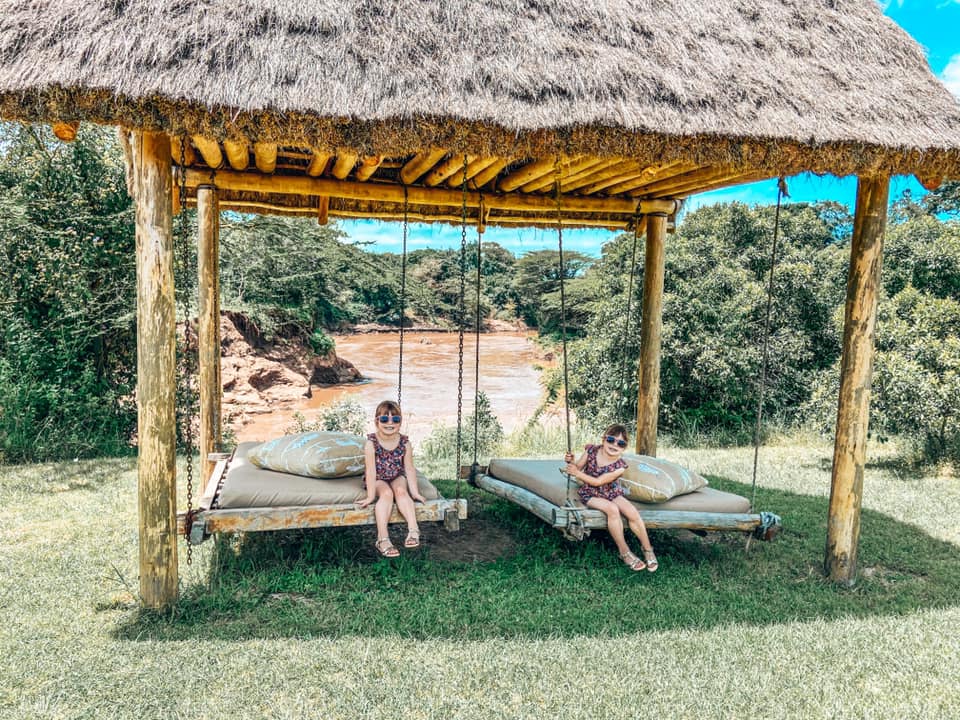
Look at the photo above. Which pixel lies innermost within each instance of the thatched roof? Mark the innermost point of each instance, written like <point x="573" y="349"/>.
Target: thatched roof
<point x="763" y="87"/>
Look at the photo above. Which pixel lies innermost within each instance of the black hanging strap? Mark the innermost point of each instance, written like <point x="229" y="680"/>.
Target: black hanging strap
<point x="781" y="193"/>
<point x="403" y="295"/>
<point x="621" y="406"/>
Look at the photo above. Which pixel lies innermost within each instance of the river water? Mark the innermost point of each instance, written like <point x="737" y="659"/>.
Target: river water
<point x="508" y="376"/>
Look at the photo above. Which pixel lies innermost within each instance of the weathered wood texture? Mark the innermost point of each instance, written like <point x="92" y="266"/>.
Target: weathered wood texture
<point x="562" y="517"/>
<point x="648" y="396"/>
<point x="208" y="323"/>
<point x="156" y="379"/>
<point x="314" y="516"/>
<point x="307" y="186"/>
<point x="238" y="154"/>
<point x="856" y="369"/>
<point x="543" y="509"/>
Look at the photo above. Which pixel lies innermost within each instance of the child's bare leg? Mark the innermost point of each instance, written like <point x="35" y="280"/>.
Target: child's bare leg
<point x="407" y="509"/>
<point x="383" y="508"/>
<point x="634" y="520"/>
<point x="614" y="522"/>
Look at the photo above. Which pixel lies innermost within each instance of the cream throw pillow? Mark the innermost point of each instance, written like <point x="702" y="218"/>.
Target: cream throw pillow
<point x="314" y="454"/>
<point x="654" y="480"/>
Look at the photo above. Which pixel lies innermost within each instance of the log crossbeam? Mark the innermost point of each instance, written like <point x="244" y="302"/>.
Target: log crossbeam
<point x="445" y="197"/>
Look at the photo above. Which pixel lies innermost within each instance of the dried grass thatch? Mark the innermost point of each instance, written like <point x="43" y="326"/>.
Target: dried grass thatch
<point x="828" y="86"/>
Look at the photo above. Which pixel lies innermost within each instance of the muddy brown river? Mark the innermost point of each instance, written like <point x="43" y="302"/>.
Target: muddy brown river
<point x="508" y="376"/>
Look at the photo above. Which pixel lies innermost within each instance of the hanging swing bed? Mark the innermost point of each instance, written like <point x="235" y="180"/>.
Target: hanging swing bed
<point x="547" y="491"/>
<point x="242" y="496"/>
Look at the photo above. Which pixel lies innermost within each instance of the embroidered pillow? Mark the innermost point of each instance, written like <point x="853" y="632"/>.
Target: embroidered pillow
<point x="314" y="454"/>
<point x="655" y="480"/>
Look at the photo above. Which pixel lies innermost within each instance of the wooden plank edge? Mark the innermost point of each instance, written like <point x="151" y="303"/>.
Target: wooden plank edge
<point x="314" y="516"/>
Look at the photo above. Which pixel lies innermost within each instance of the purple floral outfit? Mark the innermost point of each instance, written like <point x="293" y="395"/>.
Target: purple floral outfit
<point x="389" y="462"/>
<point x="610" y="491"/>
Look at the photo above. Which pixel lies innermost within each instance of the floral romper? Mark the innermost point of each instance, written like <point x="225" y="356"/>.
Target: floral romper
<point x="389" y="462"/>
<point x="610" y="491"/>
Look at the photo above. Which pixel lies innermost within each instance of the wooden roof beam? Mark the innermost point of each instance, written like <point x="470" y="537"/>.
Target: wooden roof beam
<point x="531" y="171"/>
<point x="238" y="153"/>
<point x="752" y="176"/>
<point x="318" y="163"/>
<point x="420" y="163"/>
<point x="485" y="176"/>
<point x="689" y="180"/>
<point x="209" y="150"/>
<point x="452" y="166"/>
<point x="383" y="192"/>
<point x="344" y="163"/>
<point x="568" y="174"/>
<point x="473" y="169"/>
<point x="656" y="174"/>
<point x="265" y="157"/>
<point x="368" y="166"/>
<point x="178" y="147"/>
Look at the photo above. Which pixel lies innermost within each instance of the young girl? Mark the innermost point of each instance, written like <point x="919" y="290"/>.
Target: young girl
<point x="389" y="476"/>
<point x="600" y="468"/>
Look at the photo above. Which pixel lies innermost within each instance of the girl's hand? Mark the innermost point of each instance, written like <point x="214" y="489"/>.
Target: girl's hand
<point x="366" y="501"/>
<point x="572" y="469"/>
<point x="568" y="457"/>
<point x="418" y="497"/>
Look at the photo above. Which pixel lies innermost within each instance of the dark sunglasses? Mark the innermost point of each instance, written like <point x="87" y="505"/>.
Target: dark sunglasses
<point x="618" y="443"/>
<point x="392" y="418"/>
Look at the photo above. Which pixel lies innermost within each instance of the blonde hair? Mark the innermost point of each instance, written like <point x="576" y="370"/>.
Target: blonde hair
<point x="387" y="407"/>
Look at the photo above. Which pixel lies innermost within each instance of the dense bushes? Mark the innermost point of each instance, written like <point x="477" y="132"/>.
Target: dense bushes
<point x="67" y="318"/>
<point x="67" y="307"/>
<point x="714" y="304"/>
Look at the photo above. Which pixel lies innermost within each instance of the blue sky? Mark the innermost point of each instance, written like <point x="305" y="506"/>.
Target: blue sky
<point x="935" y="24"/>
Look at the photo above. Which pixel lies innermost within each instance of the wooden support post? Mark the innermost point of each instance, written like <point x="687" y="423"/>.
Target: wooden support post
<point x="156" y="373"/>
<point x="856" y="369"/>
<point x="648" y="397"/>
<point x="208" y="323"/>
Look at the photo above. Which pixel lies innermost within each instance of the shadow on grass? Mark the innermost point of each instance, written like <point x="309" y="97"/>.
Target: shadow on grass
<point x="525" y="580"/>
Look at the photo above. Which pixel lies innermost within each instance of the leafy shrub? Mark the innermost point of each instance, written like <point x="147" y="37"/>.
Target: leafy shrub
<point x="321" y="343"/>
<point x="442" y="441"/>
<point x="342" y="416"/>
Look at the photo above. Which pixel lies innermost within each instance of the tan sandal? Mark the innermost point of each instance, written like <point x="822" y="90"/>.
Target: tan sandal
<point x="386" y="548"/>
<point x="633" y="562"/>
<point x="413" y="540"/>
<point x="651" y="559"/>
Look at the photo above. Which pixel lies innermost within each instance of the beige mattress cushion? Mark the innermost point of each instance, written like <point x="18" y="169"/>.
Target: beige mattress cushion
<point x="543" y="477"/>
<point x="246" y="485"/>
<point x="655" y="480"/>
<point x="318" y="454"/>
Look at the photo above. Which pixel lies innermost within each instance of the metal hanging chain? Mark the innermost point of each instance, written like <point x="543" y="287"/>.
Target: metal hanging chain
<point x="403" y="294"/>
<point x="563" y="307"/>
<point x="461" y="320"/>
<point x="188" y="365"/>
<point x="563" y="321"/>
<point x="476" y="353"/>
<point x="621" y="409"/>
<point x="781" y="193"/>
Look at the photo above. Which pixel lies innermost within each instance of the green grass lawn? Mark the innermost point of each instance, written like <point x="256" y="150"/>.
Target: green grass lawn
<point x="506" y="619"/>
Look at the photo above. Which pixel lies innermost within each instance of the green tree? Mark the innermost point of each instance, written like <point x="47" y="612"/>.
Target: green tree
<point x="67" y="296"/>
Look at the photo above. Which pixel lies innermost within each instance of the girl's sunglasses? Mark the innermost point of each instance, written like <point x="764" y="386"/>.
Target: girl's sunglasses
<point x="392" y="418"/>
<point x="619" y="443"/>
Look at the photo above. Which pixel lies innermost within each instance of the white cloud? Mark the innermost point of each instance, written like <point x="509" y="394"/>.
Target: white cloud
<point x="951" y="75"/>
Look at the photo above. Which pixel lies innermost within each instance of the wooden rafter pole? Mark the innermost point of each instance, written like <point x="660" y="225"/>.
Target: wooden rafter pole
<point x="156" y="371"/>
<point x="648" y="397"/>
<point x="238" y="154"/>
<point x="856" y="369"/>
<point x="208" y="322"/>
<point x="446" y="197"/>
